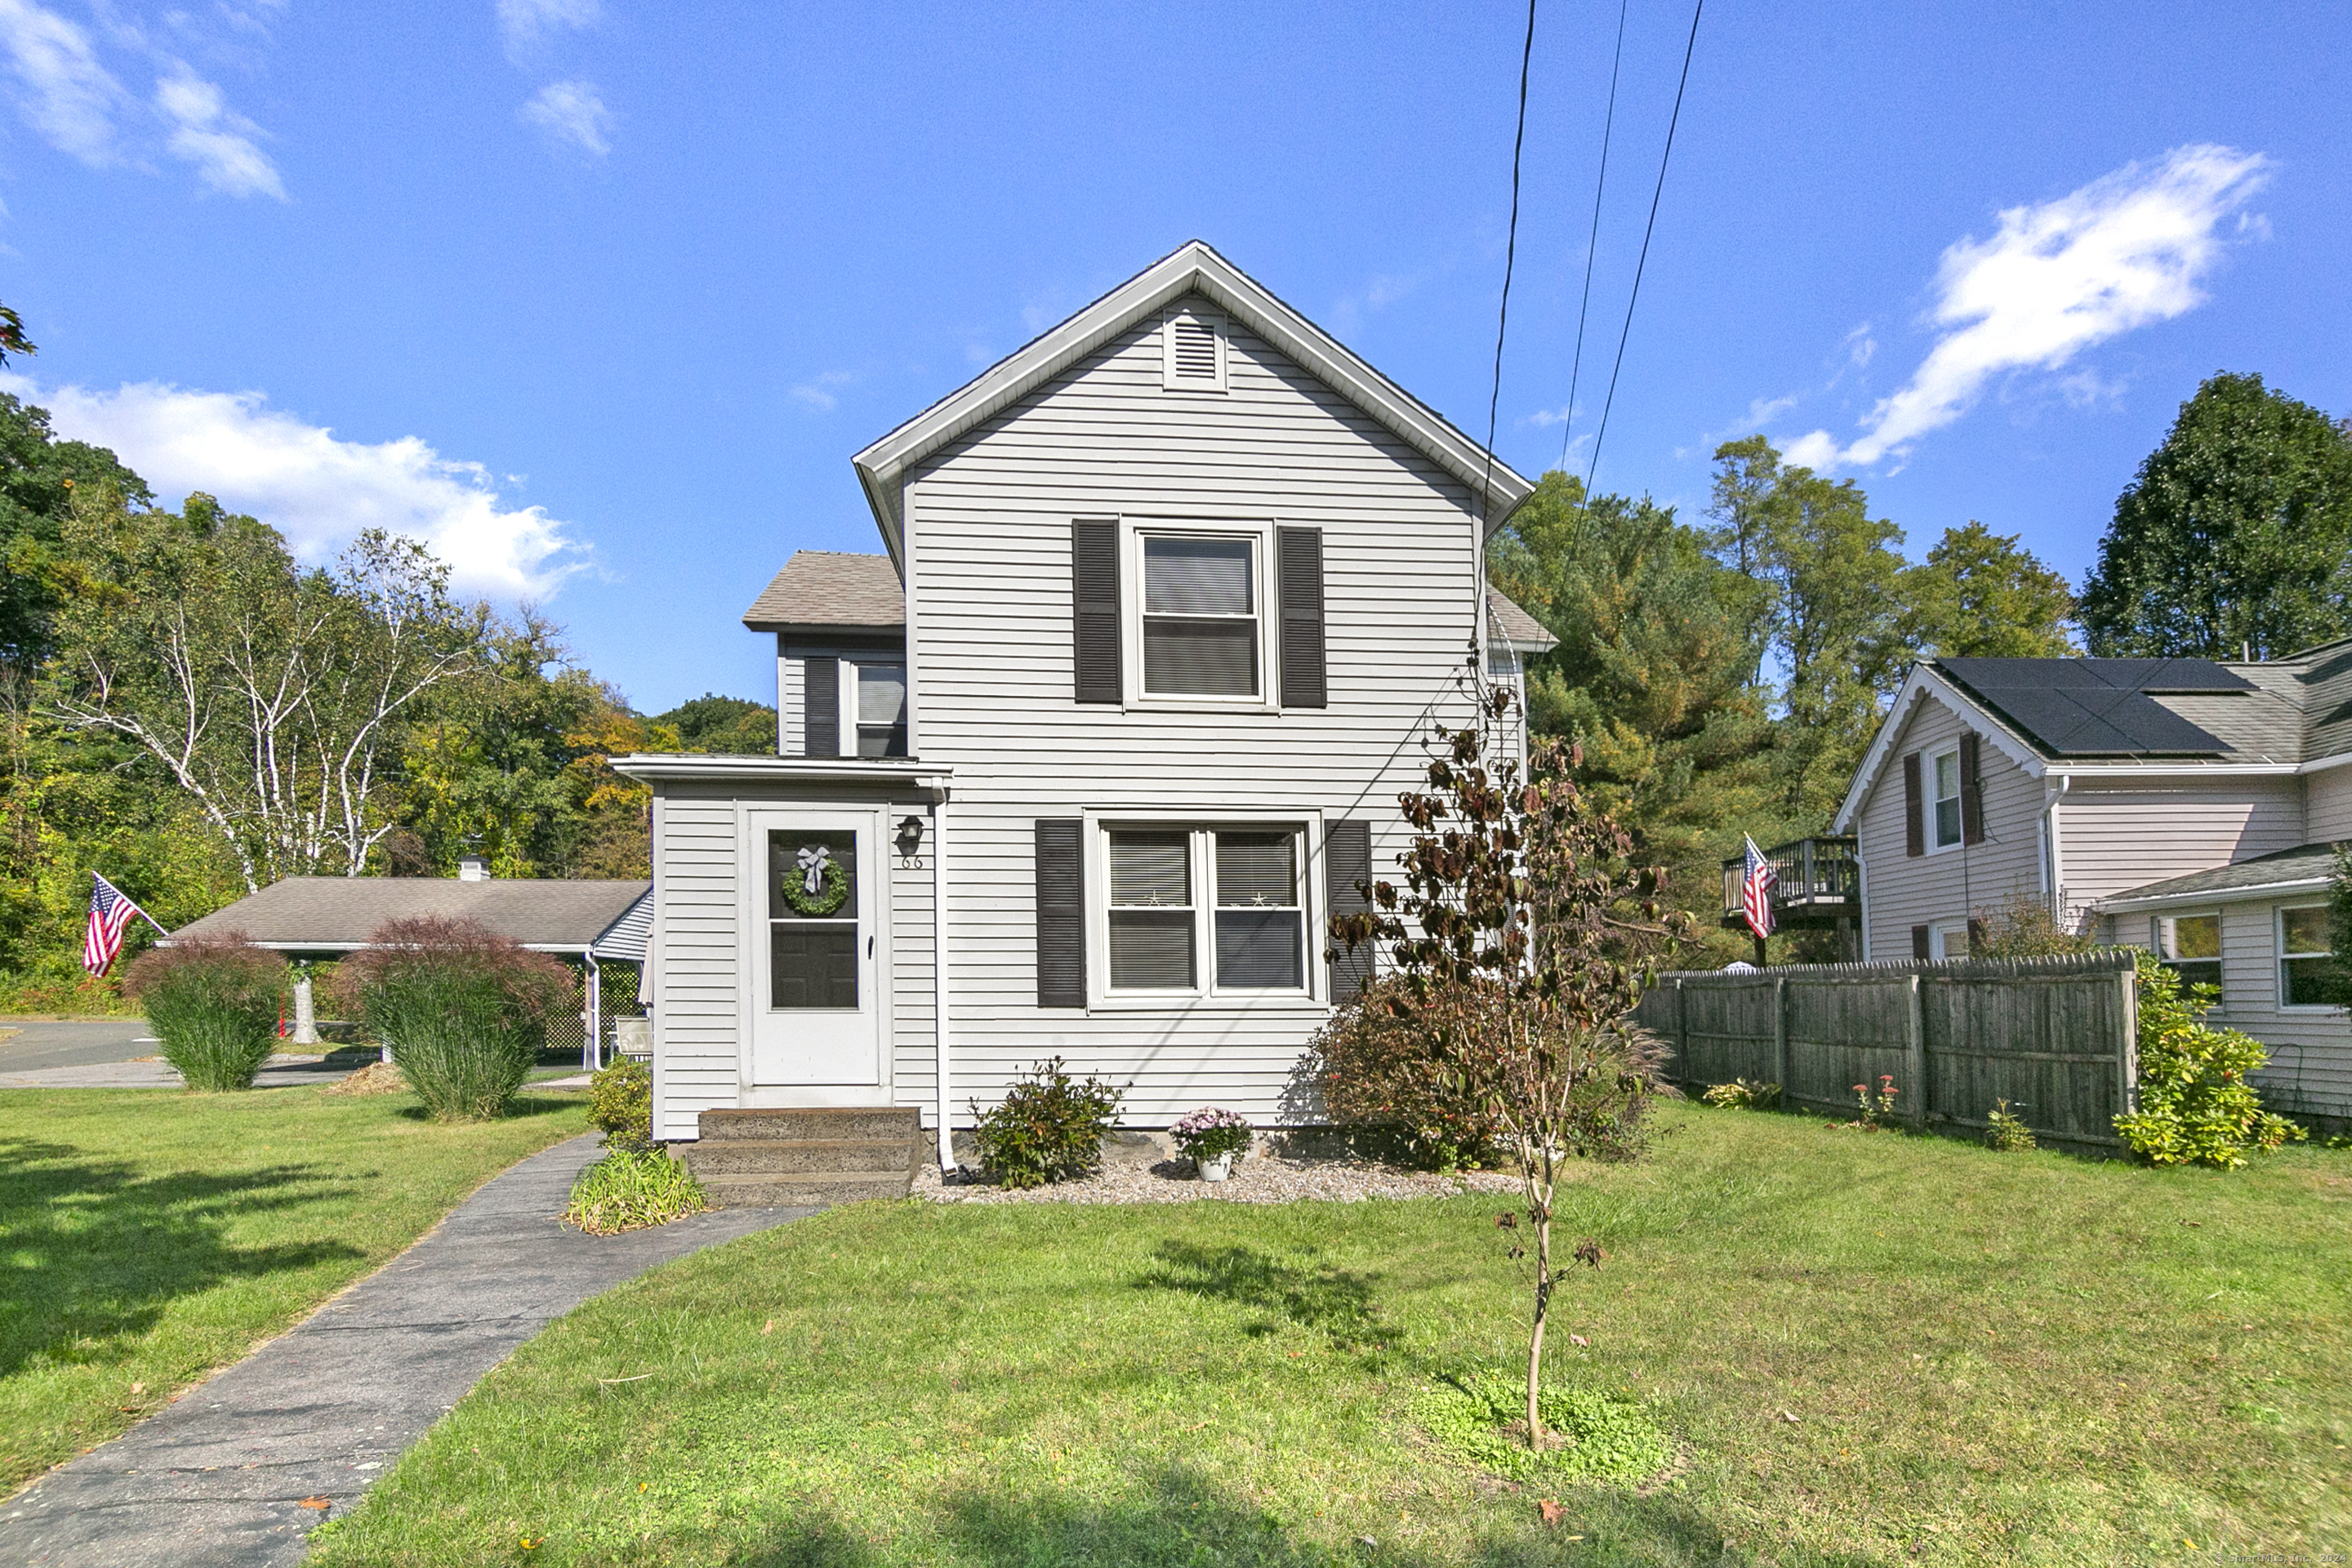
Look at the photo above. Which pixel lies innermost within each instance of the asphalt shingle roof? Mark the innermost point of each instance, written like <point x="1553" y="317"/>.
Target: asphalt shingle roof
<point x="1509" y="622"/>
<point x="831" y="588"/>
<point x="2312" y="862"/>
<point x="330" y="913"/>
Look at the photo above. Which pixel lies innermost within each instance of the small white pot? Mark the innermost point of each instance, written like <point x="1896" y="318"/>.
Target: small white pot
<point x="1215" y="1170"/>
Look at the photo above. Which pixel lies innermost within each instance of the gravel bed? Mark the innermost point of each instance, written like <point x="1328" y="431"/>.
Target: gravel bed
<point x="1258" y="1179"/>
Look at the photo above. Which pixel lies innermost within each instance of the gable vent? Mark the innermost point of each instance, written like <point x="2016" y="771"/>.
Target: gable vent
<point x="1193" y="353"/>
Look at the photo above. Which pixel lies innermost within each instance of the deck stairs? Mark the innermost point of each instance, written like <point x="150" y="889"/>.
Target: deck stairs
<point x="760" y="1159"/>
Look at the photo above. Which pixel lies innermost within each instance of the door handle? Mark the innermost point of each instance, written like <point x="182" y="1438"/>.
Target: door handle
<point x="869" y="947"/>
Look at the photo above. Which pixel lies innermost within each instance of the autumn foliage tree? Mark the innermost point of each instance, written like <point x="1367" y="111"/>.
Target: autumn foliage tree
<point x="1520" y="941"/>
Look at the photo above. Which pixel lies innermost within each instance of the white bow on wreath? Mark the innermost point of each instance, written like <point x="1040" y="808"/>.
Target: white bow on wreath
<point x="812" y="863"/>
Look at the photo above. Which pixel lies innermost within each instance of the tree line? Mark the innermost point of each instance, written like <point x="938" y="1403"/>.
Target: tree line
<point x="192" y="709"/>
<point x="1724" y="675"/>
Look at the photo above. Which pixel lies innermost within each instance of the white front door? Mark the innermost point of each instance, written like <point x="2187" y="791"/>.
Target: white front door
<point x="817" y="1006"/>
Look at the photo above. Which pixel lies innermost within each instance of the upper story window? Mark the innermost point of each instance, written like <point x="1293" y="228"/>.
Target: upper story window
<point x="1233" y="895"/>
<point x="1944" y="799"/>
<point x="877" y="695"/>
<point x="2190" y="946"/>
<point x="2306" y="958"/>
<point x="1201" y="631"/>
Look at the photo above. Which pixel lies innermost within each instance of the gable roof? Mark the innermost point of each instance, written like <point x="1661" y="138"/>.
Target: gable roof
<point x="2099" y="707"/>
<point x="339" y="914"/>
<point x="831" y="590"/>
<point x="1192" y="268"/>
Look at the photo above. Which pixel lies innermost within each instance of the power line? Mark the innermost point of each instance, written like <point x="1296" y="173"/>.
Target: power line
<point x="1592" y="241"/>
<point x="1601" y="434"/>
<point x="1510" y="257"/>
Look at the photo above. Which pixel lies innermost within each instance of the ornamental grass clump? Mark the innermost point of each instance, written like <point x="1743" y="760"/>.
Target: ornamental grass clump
<point x="630" y="1189"/>
<point x="214" y="1003"/>
<point x="464" y="1012"/>
<point x="1204" y="1135"/>
<point x="2195" y="1104"/>
<point x="1048" y="1127"/>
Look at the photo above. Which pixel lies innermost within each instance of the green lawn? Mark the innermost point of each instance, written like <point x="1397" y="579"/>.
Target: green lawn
<point x="2021" y="1357"/>
<point x="148" y="1236"/>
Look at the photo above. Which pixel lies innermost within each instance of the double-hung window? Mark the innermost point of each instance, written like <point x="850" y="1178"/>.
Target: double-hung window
<point x="2306" y="958"/>
<point x="880" y="698"/>
<point x="1944" y="824"/>
<point x="2190" y="946"/>
<point x="1200" y="610"/>
<point x="1196" y="911"/>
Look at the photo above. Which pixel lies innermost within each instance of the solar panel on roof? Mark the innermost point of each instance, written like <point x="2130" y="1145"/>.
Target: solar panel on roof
<point x="2168" y="675"/>
<point x="2091" y="722"/>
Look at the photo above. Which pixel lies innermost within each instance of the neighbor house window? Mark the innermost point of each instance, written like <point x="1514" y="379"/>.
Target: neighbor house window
<point x="1200" y="615"/>
<point x="880" y="696"/>
<point x="1234" y="895"/>
<point x="2190" y="946"/>
<point x="1944" y="824"/>
<point x="2306" y="958"/>
<point x="1950" y="939"/>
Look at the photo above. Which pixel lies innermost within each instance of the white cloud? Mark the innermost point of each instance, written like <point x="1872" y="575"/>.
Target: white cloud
<point x="317" y="491"/>
<point x="1544" y="418"/>
<point x="62" y="89"/>
<point x="526" y="24"/>
<point x="217" y="141"/>
<point x="817" y="394"/>
<point x="2125" y="251"/>
<point x="570" y="113"/>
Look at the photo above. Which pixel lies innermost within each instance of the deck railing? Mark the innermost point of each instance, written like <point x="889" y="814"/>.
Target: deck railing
<point x="1820" y="880"/>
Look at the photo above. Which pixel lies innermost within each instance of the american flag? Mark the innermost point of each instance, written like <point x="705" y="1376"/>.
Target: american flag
<point x="110" y="909"/>
<point x="1756" y="884"/>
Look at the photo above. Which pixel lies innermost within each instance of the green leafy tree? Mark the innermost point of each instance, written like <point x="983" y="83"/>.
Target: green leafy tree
<point x="2236" y="533"/>
<point x="39" y="475"/>
<point x="722" y="726"/>
<point x="1980" y="594"/>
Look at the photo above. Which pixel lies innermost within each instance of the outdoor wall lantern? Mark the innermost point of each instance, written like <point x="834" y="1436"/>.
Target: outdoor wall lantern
<point x="910" y="836"/>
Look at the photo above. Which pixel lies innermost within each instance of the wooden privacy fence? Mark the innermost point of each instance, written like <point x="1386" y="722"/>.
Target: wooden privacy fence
<point x="2056" y="1038"/>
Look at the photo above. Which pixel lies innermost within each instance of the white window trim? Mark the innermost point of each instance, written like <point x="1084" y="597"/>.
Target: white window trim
<point x="2222" y="932"/>
<point x="1311" y="998"/>
<point x="845" y="687"/>
<point x="1940" y="932"/>
<point x="1259" y="531"/>
<point x="1929" y="800"/>
<point x="2279" y="951"/>
<point x="1215" y="322"/>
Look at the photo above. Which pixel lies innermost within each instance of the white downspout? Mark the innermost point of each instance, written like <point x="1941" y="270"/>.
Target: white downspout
<point x="940" y="1011"/>
<point x="2053" y="870"/>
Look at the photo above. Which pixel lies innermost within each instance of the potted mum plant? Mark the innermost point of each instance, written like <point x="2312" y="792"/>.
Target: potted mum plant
<point x="1213" y="1138"/>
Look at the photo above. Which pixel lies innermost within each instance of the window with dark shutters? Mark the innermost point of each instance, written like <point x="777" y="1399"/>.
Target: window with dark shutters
<point x="1093" y="585"/>
<point x="1919" y="942"/>
<point x="821" y="706"/>
<point x="1061" y="914"/>
<point x="1971" y="792"/>
<point x="1347" y="865"/>
<point x="1301" y="552"/>
<point x="1914" y="825"/>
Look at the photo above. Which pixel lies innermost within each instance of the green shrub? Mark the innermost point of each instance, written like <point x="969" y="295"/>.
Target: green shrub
<point x="2025" y="927"/>
<point x="1049" y="1128"/>
<point x="629" y="1189"/>
<point x="2006" y="1130"/>
<point x="621" y="1103"/>
<point x="1481" y="1417"/>
<point x="464" y="1012"/>
<point x="1744" y="1095"/>
<point x="214" y="1003"/>
<point x="1378" y="1074"/>
<point x="2196" y="1106"/>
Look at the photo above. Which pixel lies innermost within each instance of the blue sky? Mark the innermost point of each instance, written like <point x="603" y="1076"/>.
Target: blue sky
<point x="600" y="296"/>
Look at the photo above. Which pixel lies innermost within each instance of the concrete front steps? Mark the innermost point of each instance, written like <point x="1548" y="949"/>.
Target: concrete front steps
<point x="774" y="1159"/>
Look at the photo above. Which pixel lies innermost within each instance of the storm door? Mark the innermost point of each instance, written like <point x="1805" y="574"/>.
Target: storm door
<point x="817" y="1009"/>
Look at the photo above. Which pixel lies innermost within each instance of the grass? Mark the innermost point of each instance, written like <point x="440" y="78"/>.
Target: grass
<point x="2023" y="1358"/>
<point x="148" y="1238"/>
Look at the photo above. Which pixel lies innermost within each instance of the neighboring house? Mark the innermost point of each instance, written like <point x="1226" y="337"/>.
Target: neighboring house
<point x="2184" y="805"/>
<point x="1171" y="598"/>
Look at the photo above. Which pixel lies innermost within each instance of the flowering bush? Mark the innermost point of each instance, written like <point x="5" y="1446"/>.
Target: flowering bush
<point x="2195" y="1104"/>
<point x="1876" y="1106"/>
<point x="1205" y="1134"/>
<point x="214" y="1006"/>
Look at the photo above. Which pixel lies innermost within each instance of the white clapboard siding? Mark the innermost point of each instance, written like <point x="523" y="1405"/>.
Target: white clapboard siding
<point x="700" y="961"/>
<point x="1944" y="884"/>
<point x="989" y="520"/>
<point x="2311" y="1050"/>
<point x="2112" y="840"/>
<point x="2327" y="807"/>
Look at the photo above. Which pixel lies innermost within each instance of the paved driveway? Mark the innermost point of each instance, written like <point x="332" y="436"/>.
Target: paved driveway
<point x="40" y="1044"/>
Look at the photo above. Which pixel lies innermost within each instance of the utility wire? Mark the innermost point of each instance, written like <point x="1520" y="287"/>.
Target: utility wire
<point x="1592" y="242"/>
<point x="1510" y="257"/>
<point x="1603" y="432"/>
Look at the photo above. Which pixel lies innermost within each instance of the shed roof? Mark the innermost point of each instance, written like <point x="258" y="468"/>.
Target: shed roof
<point x="338" y="914"/>
<point x="2307" y="867"/>
<point x="831" y="590"/>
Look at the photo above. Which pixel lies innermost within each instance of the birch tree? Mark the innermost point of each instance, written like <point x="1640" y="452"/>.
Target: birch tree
<point x="271" y="693"/>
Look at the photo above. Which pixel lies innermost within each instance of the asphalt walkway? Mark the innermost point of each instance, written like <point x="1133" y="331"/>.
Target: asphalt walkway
<point x="221" y="1477"/>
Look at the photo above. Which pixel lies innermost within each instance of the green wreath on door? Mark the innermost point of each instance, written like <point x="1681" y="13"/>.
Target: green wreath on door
<point x="820" y="885"/>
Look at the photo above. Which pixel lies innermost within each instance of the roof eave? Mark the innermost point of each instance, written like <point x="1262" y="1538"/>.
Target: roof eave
<point x="666" y="766"/>
<point x="829" y="629"/>
<point x="2140" y="903"/>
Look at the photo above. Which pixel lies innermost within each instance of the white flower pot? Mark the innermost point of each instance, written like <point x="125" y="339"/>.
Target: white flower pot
<point x="1215" y="1170"/>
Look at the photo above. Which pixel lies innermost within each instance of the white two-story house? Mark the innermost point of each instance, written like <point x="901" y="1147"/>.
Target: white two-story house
<point x="1080" y="764"/>
<point x="2185" y="806"/>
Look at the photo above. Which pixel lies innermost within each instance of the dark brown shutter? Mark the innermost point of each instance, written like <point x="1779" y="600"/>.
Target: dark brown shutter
<point x="1915" y="829"/>
<point x="1061" y="914"/>
<point x="1976" y="934"/>
<point x="821" y="706"/>
<point x="1919" y="948"/>
<point x="1093" y="585"/>
<point x="1347" y="866"/>
<point x="1971" y="792"/>
<point x="1301" y="551"/>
